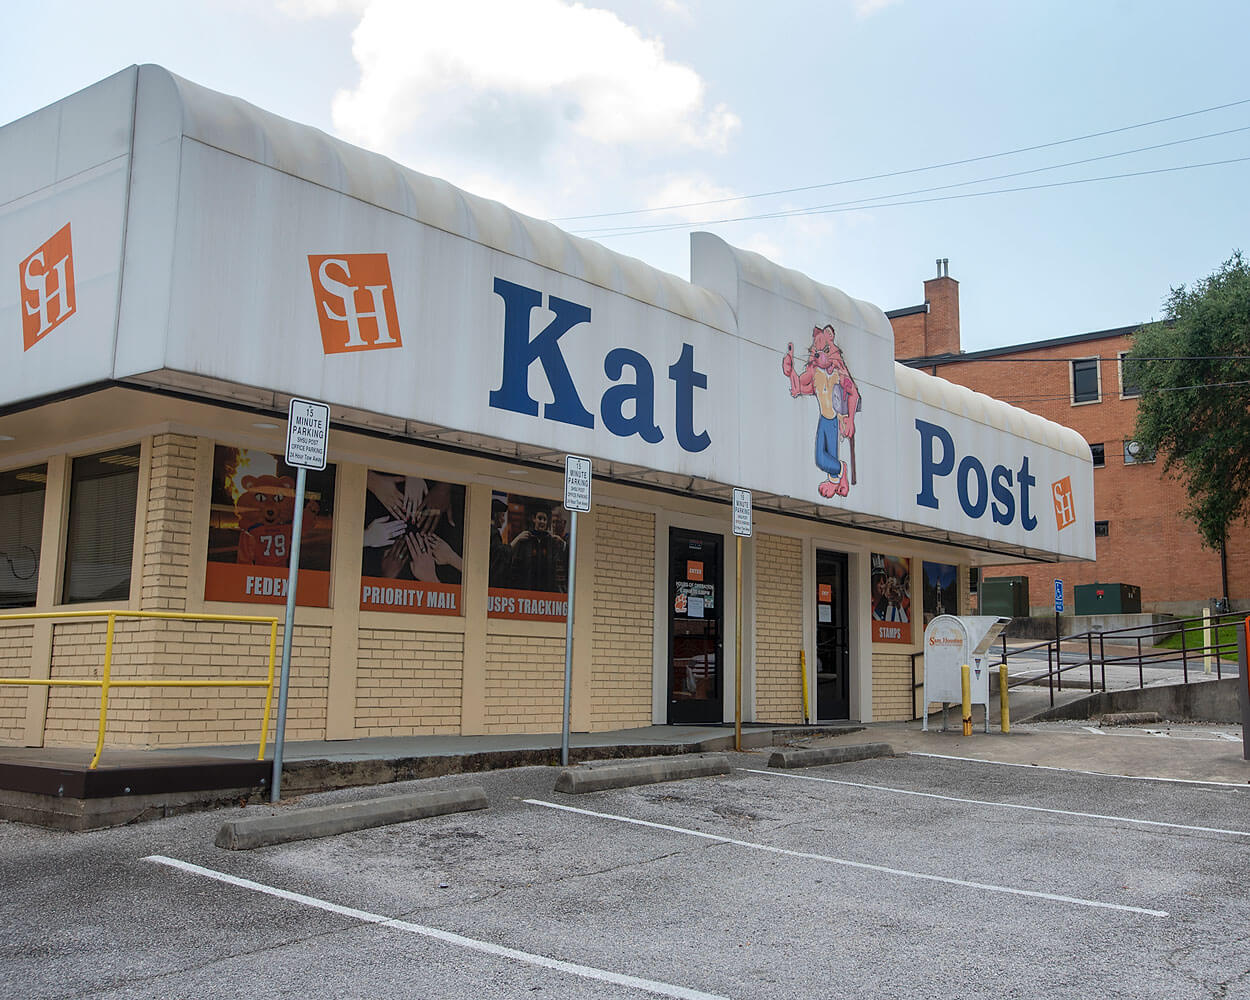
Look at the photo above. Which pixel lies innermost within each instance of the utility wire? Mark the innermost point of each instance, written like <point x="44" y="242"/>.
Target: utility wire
<point x="666" y="227"/>
<point x="961" y="359"/>
<point x="901" y="173"/>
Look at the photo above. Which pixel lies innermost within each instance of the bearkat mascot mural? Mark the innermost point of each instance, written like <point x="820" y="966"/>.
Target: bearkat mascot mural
<point x="826" y="377"/>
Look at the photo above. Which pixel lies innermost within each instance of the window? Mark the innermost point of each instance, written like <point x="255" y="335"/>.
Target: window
<point x="1099" y="454"/>
<point x="1128" y="377"/>
<point x="103" y="493"/>
<point x="1085" y="388"/>
<point x="1136" y="454"/>
<point x="974" y="579"/>
<point x="21" y="529"/>
<point x="1102" y="529"/>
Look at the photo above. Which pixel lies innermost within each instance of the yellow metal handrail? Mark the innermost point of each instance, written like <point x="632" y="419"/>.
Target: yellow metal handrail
<point x="106" y="682"/>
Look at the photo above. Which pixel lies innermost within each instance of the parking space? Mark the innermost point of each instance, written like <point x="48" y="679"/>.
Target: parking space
<point x="906" y="876"/>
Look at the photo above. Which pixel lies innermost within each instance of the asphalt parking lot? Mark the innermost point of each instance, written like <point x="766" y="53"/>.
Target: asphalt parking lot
<point x="911" y="876"/>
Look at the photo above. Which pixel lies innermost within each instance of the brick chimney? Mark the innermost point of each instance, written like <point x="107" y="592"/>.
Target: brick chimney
<point x="933" y="328"/>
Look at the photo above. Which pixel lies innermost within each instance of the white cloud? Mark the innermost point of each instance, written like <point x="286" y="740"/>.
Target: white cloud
<point x="866" y="8"/>
<point x="536" y="73"/>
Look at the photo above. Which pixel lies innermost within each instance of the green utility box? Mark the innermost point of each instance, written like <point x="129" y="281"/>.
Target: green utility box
<point x="1108" y="599"/>
<point x="1005" y="596"/>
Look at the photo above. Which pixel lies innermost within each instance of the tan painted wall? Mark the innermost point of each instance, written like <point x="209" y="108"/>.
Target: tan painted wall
<point x="15" y="655"/>
<point x="408" y="683"/>
<point x="624" y="619"/>
<point x="779" y="629"/>
<point x="891" y="687"/>
<point x="524" y="684"/>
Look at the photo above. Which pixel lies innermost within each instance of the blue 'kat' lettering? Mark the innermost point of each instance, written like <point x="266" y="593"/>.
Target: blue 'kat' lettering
<point x="636" y="398"/>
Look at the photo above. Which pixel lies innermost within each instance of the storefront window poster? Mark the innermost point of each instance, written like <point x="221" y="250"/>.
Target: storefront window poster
<point x="891" y="599"/>
<point x="529" y="559"/>
<point x="940" y="597"/>
<point x="251" y="521"/>
<point x="411" y="556"/>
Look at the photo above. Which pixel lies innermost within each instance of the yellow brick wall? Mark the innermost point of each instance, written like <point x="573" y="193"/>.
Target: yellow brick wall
<point x="891" y="687"/>
<point x="778" y="629"/>
<point x="624" y="627"/>
<point x="524" y="684"/>
<point x="15" y="652"/>
<point x="409" y="683"/>
<point x="167" y="531"/>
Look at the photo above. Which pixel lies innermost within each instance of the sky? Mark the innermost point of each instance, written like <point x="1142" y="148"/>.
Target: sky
<point x="636" y="122"/>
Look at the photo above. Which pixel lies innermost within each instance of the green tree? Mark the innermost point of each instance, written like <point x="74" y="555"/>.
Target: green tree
<point x="1193" y="372"/>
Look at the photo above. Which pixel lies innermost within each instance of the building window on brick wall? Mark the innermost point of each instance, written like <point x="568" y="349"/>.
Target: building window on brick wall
<point x="1128" y="378"/>
<point x="1085" y="381"/>
<point x="1099" y="454"/>
<point x="103" y="498"/>
<point x="1135" y="453"/>
<point x="21" y="529"/>
<point x="1102" y="529"/>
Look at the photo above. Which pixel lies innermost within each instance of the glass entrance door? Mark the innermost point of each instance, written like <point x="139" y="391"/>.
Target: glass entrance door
<point x="833" y="654"/>
<point x="695" y="628"/>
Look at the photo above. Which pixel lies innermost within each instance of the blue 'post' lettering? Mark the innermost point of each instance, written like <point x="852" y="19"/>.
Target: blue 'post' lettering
<point x="930" y="466"/>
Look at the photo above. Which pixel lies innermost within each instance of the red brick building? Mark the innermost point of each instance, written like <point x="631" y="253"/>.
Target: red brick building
<point x="1142" y="536"/>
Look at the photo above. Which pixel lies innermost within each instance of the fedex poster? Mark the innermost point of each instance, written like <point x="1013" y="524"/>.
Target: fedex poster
<point x="251" y="520"/>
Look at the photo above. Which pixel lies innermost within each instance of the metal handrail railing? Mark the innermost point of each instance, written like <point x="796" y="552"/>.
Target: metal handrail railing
<point x="1184" y="626"/>
<point x="105" y="681"/>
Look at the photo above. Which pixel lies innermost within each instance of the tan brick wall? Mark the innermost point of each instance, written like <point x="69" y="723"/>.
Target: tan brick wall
<point x="624" y="619"/>
<point x="408" y="683"/>
<point x="778" y="629"/>
<point x="891" y="687"/>
<point x="15" y="652"/>
<point x="167" y="533"/>
<point x="186" y="651"/>
<point x="524" y="684"/>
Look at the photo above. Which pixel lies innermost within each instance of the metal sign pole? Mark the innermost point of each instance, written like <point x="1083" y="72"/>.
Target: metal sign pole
<point x="738" y="655"/>
<point x="288" y="628"/>
<point x="568" y="641"/>
<point x="577" y="480"/>
<point x="742" y="529"/>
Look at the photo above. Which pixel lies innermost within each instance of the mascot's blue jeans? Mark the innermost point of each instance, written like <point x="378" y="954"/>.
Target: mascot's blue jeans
<point x="827" y="446"/>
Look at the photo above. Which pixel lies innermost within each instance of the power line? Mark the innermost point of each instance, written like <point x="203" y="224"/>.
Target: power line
<point x="901" y="173"/>
<point x="1047" y="398"/>
<point x="666" y="227"/>
<point x="961" y="359"/>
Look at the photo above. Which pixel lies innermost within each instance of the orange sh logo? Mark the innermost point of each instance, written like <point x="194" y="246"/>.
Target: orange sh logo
<point x="47" y="288"/>
<point x="355" y="302"/>
<point x="1065" y="509"/>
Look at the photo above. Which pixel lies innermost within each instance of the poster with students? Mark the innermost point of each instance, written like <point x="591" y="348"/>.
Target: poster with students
<point x="891" y="599"/>
<point x="412" y="553"/>
<point x="250" y="530"/>
<point x="529" y="559"/>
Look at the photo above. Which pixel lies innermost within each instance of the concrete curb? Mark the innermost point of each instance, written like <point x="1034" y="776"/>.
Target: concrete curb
<point x="576" y="780"/>
<point x="1129" y="718"/>
<point x="329" y="821"/>
<point x="829" y="755"/>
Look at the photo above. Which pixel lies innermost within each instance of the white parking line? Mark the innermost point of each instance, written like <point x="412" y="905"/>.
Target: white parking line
<point x="585" y="971"/>
<point x="998" y="805"/>
<point x="1074" y="770"/>
<point x="862" y="866"/>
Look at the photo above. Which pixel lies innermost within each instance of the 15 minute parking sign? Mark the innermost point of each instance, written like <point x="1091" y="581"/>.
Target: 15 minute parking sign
<point x="307" y="434"/>
<point x="576" y="483"/>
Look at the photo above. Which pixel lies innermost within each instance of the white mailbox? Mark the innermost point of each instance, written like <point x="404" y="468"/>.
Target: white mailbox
<point x="950" y="641"/>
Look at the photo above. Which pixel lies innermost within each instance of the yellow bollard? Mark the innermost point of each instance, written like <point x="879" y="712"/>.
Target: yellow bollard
<point x="803" y="680"/>
<point x="966" y="683"/>
<point x="1002" y="697"/>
